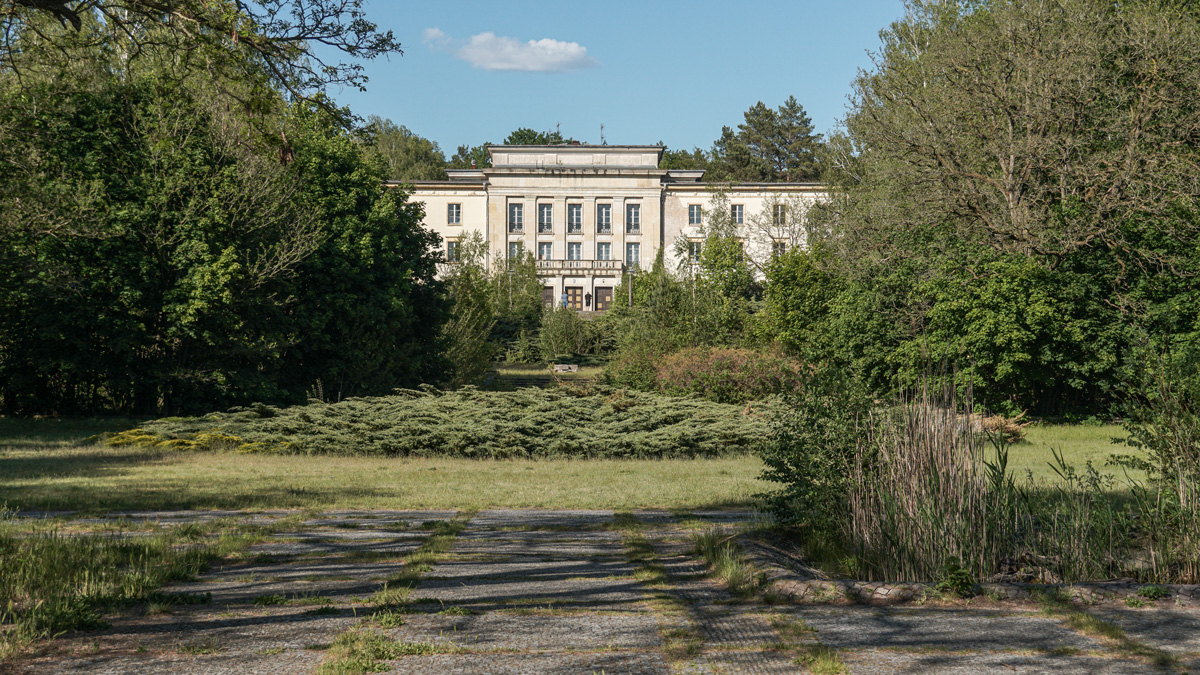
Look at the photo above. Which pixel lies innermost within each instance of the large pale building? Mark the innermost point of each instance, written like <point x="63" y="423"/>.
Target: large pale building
<point x="591" y="215"/>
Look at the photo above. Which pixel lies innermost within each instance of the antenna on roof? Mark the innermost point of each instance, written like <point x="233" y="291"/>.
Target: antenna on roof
<point x="602" y="135"/>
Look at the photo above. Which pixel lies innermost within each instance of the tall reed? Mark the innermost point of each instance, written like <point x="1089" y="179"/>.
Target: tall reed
<point x="922" y="495"/>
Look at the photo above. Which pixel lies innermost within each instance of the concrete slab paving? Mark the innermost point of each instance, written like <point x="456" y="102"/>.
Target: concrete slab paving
<point x="529" y="591"/>
<point x="882" y="662"/>
<point x="577" y="519"/>
<point x="586" y="631"/>
<point x="528" y="664"/>
<point x="945" y="629"/>
<point x="1175" y="630"/>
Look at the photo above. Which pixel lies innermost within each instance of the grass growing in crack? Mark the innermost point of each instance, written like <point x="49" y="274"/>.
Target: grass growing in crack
<point x="358" y="651"/>
<point x="640" y="552"/>
<point x="327" y="610"/>
<point x="54" y="581"/>
<point x="791" y="628"/>
<point x="272" y="599"/>
<point x="458" y="610"/>
<point x="681" y="643"/>
<point x="727" y="563"/>
<point x="1060" y="607"/>
<point x="821" y="660"/>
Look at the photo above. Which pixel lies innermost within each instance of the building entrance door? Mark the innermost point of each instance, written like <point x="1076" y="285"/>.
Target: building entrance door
<point x="603" y="298"/>
<point x="574" y="297"/>
<point x="547" y="295"/>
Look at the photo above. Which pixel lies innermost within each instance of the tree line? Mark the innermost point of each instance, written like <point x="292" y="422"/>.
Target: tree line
<point x="771" y="145"/>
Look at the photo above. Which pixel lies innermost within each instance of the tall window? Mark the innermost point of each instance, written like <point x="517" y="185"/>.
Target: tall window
<point x="737" y="213"/>
<point x="780" y="215"/>
<point x="694" y="217"/>
<point x="575" y="251"/>
<point x="516" y="217"/>
<point x="575" y="218"/>
<point x="545" y="250"/>
<point x="452" y="251"/>
<point x="694" y="251"/>
<point x="545" y="217"/>
<point x="778" y="247"/>
<point x="515" y="248"/>
<point x="604" y="218"/>
<point x="454" y="214"/>
<point x="604" y="251"/>
<point x="633" y="255"/>
<point x="633" y="218"/>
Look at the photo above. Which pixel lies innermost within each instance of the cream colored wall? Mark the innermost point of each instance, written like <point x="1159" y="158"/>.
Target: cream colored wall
<point x="757" y="230"/>
<point x="436" y="200"/>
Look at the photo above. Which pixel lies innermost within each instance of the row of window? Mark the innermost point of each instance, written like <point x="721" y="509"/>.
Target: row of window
<point x="633" y="216"/>
<point x="737" y="213"/>
<point x="545" y="219"/>
<point x="545" y="251"/>
<point x="633" y="252"/>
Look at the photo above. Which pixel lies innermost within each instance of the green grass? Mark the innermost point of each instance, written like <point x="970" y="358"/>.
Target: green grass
<point x="1079" y="444"/>
<point x="51" y="465"/>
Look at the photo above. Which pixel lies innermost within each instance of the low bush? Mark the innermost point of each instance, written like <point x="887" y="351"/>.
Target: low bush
<point x="559" y="422"/>
<point x="727" y="375"/>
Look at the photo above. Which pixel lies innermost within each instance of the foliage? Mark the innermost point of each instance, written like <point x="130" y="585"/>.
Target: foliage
<point x="897" y="490"/>
<point x="559" y="422"/>
<point x="563" y="332"/>
<point x="467" y="335"/>
<point x="165" y="260"/>
<point x="811" y="451"/>
<point x="1164" y="423"/>
<point x="267" y="45"/>
<point x="971" y="222"/>
<point x="409" y="157"/>
<point x="726" y="375"/>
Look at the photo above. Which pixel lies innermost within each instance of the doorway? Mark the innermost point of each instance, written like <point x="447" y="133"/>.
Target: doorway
<point x="604" y="298"/>
<point x="574" y="297"/>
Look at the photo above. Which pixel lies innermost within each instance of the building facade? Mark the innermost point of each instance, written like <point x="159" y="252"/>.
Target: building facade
<point x="592" y="215"/>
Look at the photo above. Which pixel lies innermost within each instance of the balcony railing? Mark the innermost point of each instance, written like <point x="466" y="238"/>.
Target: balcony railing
<point x="550" y="266"/>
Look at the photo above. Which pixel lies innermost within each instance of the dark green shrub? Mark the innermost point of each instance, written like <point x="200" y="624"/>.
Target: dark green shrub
<point x="810" y="451"/>
<point x="558" y="422"/>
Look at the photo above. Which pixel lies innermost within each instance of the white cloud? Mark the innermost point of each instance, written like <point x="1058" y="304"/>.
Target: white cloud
<point x="435" y="38"/>
<point x="490" y="52"/>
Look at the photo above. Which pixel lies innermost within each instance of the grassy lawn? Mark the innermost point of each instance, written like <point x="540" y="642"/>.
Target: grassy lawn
<point x="1078" y="444"/>
<point x="51" y="465"/>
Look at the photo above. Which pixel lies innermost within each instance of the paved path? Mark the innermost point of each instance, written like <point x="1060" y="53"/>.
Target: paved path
<point x="558" y="592"/>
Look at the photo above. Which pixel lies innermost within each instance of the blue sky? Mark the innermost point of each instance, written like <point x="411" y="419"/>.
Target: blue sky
<point x="649" y="71"/>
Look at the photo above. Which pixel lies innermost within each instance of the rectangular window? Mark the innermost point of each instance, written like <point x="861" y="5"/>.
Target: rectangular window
<point x="778" y="247"/>
<point x="694" y="251"/>
<point x="452" y="251"/>
<point x="694" y="216"/>
<point x="575" y="218"/>
<point x="516" y="217"/>
<point x="574" y="251"/>
<point x="545" y="217"/>
<point x="633" y="218"/>
<point x="604" y="251"/>
<point x="737" y="213"/>
<point x="515" y="249"/>
<point x="454" y="214"/>
<point x="604" y="219"/>
<point x="780" y="215"/>
<point x="545" y="250"/>
<point x="633" y="255"/>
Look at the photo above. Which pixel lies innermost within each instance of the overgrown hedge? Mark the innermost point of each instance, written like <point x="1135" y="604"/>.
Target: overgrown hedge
<point x="561" y="422"/>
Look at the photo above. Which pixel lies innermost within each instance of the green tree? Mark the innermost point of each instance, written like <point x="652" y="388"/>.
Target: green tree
<point x="409" y="157"/>
<point x="527" y="136"/>
<point x="467" y="157"/>
<point x="467" y="334"/>
<point x="253" y="47"/>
